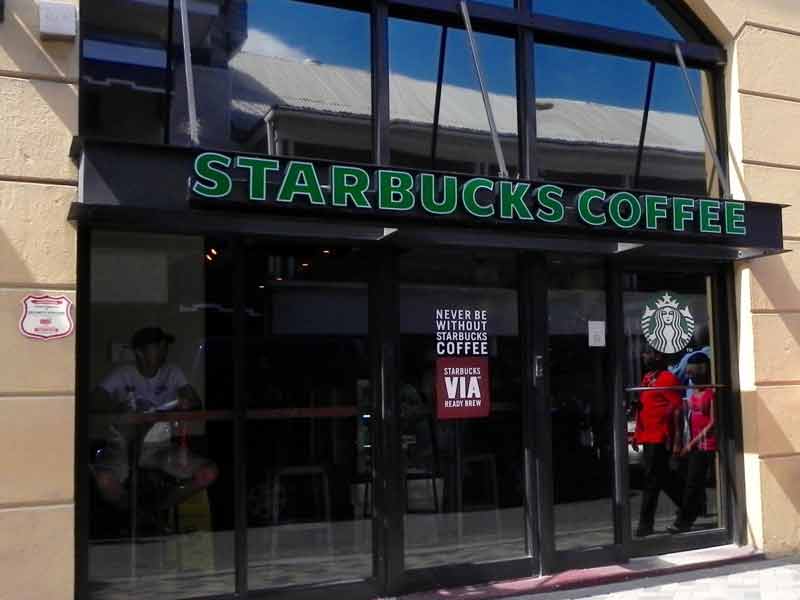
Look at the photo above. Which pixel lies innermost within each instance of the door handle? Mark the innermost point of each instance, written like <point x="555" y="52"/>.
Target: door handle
<point x="538" y="366"/>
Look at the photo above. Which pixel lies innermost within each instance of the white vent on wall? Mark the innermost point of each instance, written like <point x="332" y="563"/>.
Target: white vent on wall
<point x="57" y="20"/>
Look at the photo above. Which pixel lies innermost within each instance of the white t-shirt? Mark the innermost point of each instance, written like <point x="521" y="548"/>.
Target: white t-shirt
<point x="138" y="393"/>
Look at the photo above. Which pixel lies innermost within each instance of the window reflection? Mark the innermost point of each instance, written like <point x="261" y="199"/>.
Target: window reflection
<point x="462" y="141"/>
<point x="461" y="408"/>
<point x="672" y="403"/>
<point x="124" y="75"/>
<point x="675" y="158"/>
<point x="631" y="15"/>
<point x="282" y="77"/>
<point x="309" y="416"/>
<point x="161" y="446"/>
<point x="294" y="80"/>
<point x="589" y="115"/>
<point x="581" y="414"/>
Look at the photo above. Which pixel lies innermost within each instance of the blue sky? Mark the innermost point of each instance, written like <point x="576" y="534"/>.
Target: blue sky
<point x="295" y="30"/>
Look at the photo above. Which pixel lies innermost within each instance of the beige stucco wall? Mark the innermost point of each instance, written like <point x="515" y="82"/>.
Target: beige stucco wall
<point x="763" y="42"/>
<point x="38" y="117"/>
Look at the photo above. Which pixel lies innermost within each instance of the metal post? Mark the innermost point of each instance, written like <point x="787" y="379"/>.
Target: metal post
<point x="645" y="116"/>
<point x="168" y="71"/>
<point x="721" y="173"/>
<point x="438" y="103"/>
<point x="476" y="62"/>
<point x="187" y="64"/>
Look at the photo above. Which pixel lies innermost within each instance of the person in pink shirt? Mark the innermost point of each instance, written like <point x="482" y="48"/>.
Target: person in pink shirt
<point x="701" y="447"/>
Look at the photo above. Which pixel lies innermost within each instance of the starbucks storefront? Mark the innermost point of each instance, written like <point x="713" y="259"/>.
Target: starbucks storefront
<point x="337" y="347"/>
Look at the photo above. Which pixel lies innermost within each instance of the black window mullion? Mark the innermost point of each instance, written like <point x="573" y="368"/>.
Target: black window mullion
<point x="379" y="43"/>
<point x="240" y="417"/>
<point x="532" y="328"/>
<point x="616" y="384"/>
<point x="729" y="413"/>
<point x="526" y="104"/>
<point x="82" y="406"/>
<point x="597" y="38"/>
<point x="388" y="473"/>
<point x="683" y="19"/>
<point x="563" y="32"/>
<point x="536" y="412"/>
<point x="720" y="117"/>
<point x="168" y="92"/>
<point x="388" y="485"/>
<point x="438" y="102"/>
<point x="643" y="133"/>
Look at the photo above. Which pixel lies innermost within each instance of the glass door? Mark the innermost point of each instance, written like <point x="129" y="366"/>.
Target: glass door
<point x="674" y="398"/>
<point x="308" y="431"/>
<point x="462" y="428"/>
<point x="579" y="392"/>
<point x="636" y="396"/>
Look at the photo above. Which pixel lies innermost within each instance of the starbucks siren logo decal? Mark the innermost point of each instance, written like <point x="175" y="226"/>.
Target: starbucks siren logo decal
<point x="667" y="326"/>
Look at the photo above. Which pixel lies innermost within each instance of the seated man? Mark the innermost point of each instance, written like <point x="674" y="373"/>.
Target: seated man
<point x="148" y="386"/>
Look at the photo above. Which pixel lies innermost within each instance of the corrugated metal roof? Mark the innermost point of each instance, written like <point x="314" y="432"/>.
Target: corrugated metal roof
<point x="262" y="83"/>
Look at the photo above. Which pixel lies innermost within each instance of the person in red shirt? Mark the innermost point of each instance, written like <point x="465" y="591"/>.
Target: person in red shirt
<point x="702" y="444"/>
<point x="656" y="426"/>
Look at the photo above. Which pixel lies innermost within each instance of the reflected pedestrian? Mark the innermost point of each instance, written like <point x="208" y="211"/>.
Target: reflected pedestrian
<point x="657" y="423"/>
<point x="702" y="444"/>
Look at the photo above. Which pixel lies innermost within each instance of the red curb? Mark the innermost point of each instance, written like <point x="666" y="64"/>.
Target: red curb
<point x="579" y="578"/>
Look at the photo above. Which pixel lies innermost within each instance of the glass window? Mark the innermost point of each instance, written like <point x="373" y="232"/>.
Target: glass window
<point x="632" y="15"/>
<point x="309" y="416"/>
<point x="160" y="421"/>
<point x="673" y="403"/>
<point x="589" y="111"/>
<point x="675" y="156"/>
<point x="280" y="77"/>
<point x="590" y="114"/>
<point x="581" y="414"/>
<point x="462" y="140"/>
<point x="460" y="401"/>
<point x="124" y="87"/>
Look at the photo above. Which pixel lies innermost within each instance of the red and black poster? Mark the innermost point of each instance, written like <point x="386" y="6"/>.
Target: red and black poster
<point x="462" y="364"/>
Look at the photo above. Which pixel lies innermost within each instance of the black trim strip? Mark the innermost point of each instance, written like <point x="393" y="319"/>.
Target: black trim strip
<point x="82" y="391"/>
<point x="240" y="419"/>
<point x="563" y="32"/>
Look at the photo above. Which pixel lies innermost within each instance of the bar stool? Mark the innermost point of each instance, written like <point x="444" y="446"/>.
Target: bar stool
<point x="320" y="482"/>
<point x="488" y="465"/>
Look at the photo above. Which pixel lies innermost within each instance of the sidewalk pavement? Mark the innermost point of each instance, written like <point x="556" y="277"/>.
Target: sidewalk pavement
<point x="752" y="580"/>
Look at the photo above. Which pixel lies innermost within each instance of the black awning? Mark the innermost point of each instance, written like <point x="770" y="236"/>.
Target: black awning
<point x="186" y="189"/>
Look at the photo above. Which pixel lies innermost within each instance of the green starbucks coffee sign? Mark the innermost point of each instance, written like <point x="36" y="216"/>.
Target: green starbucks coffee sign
<point x="282" y="184"/>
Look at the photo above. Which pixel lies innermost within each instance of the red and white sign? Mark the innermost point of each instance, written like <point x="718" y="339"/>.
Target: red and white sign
<point x="46" y="317"/>
<point x="462" y="387"/>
